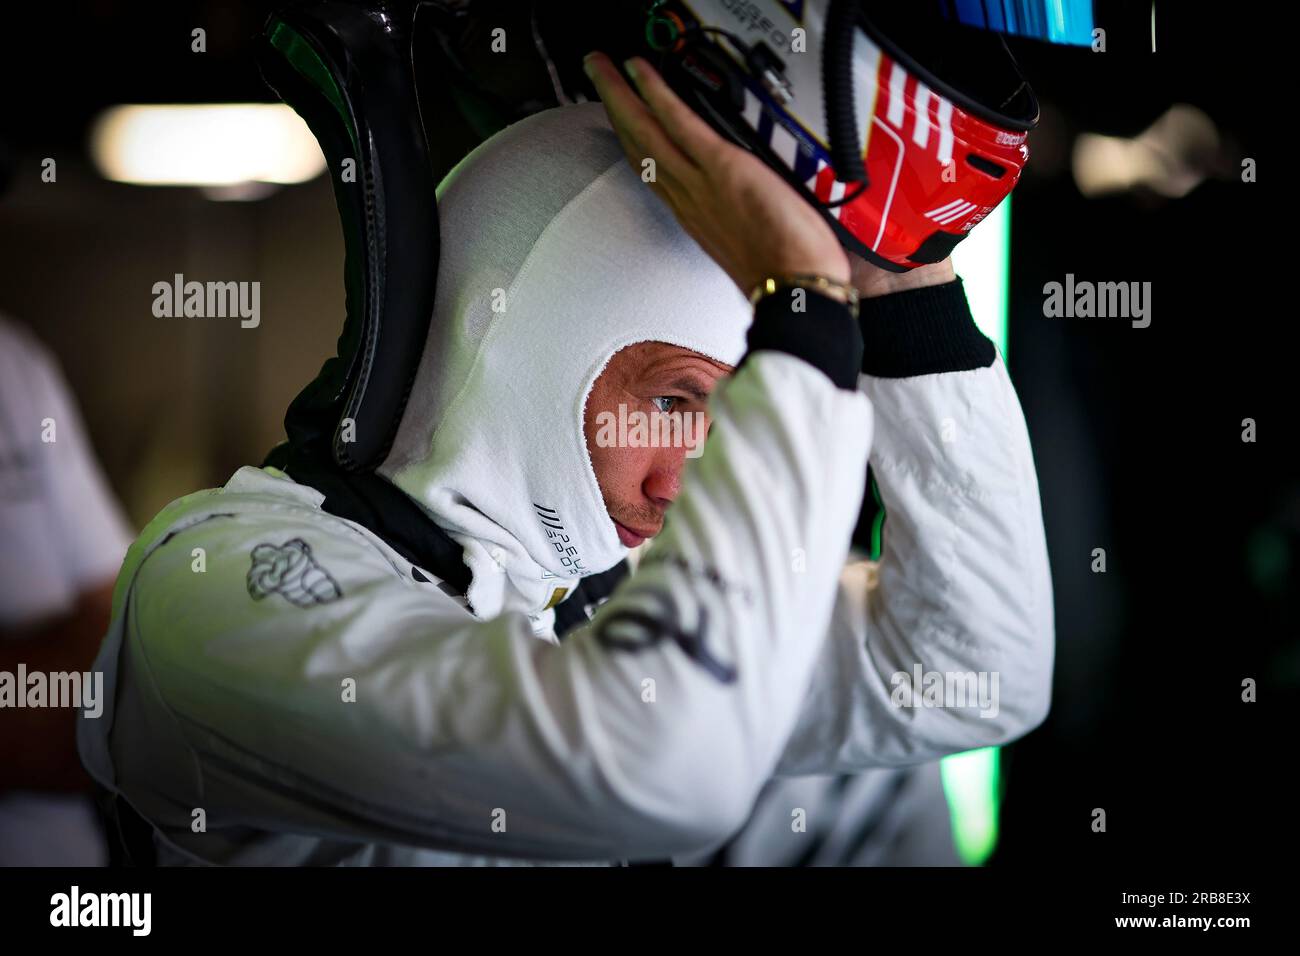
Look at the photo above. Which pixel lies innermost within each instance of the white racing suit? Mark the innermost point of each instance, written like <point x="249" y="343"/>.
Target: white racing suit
<point x="285" y="690"/>
<point x="293" y="682"/>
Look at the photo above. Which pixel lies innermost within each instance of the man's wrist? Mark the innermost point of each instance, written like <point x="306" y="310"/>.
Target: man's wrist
<point x="872" y="282"/>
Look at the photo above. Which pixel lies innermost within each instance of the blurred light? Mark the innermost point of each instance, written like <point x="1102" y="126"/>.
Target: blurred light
<point x="1054" y="21"/>
<point x="971" y="784"/>
<point x="1171" y="157"/>
<point x="239" y="192"/>
<point x="218" y="144"/>
<point x="970" y="780"/>
<point x="983" y="260"/>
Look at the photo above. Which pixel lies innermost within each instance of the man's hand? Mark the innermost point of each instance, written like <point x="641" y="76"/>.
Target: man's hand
<point x="744" y="215"/>
<point x="872" y="281"/>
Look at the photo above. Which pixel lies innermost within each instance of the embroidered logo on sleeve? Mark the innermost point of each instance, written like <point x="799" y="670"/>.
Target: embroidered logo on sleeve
<point x="290" y="570"/>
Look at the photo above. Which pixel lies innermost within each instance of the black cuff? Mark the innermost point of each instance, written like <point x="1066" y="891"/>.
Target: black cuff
<point x="921" y="332"/>
<point x="823" y="334"/>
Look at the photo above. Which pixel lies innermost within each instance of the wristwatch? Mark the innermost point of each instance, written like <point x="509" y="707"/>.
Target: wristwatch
<point x="840" y="291"/>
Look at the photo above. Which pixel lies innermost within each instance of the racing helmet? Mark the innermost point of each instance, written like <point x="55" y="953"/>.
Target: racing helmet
<point x="903" y="123"/>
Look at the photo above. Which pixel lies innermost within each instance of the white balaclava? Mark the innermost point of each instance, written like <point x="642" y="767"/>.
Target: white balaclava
<point x="555" y="255"/>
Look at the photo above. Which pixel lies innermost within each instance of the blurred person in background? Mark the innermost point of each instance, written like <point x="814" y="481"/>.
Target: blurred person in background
<point x="62" y="539"/>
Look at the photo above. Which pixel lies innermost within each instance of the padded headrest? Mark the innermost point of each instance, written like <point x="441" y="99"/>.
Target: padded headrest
<point x="346" y="69"/>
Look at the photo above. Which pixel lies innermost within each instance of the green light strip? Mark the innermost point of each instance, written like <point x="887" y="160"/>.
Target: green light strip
<point x="983" y="260"/>
<point x="971" y="780"/>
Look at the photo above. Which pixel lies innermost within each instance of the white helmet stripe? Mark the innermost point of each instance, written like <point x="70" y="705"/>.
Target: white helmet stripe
<point x="945" y="131"/>
<point x="964" y="210"/>
<point x="946" y="207"/>
<point x="837" y="192"/>
<point x="921" y="129"/>
<point x="897" y="78"/>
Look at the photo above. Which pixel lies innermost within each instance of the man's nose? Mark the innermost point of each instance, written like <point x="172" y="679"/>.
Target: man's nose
<point x="664" y="482"/>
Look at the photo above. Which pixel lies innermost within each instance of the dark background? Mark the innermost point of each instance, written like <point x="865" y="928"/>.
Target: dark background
<point x="1137" y="432"/>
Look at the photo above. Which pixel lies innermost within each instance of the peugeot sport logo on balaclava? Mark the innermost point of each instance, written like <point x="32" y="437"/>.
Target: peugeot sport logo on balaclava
<point x="555" y="256"/>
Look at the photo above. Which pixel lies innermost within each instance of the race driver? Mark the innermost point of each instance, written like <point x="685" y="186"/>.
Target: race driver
<point x="291" y="687"/>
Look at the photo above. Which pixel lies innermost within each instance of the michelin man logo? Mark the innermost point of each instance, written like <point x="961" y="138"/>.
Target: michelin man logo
<point x="290" y="570"/>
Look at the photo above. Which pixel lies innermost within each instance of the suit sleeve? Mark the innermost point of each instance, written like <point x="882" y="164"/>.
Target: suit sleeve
<point x="947" y="645"/>
<point x="648" y="732"/>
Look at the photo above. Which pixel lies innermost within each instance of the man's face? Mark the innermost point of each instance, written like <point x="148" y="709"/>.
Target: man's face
<point x="639" y="386"/>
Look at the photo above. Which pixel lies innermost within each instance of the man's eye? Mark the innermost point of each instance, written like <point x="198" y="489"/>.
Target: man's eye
<point x="665" y="398"/>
